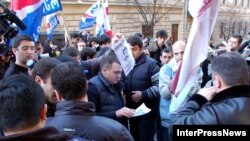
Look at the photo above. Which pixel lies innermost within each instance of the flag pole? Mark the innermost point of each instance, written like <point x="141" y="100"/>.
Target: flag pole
<point x="66" y="28"/>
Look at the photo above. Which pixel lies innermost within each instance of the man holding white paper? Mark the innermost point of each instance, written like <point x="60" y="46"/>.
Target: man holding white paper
<point x="141" y="86"/>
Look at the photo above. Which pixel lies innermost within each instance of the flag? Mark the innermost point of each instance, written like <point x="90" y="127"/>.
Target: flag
<point x="102" y="20"/>
<point x="89" y="17"/>
<point x="51" y="6"/>
<point x="204" y="13"/>
<point x="51" y="23"/>
<point x="31" y="13"/>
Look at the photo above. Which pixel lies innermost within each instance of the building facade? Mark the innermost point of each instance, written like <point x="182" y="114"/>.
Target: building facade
<point x="127" y="18"/>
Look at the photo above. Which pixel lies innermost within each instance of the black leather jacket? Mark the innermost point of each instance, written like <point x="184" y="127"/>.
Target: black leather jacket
<point x="230" y="106"/>
<point x="78" y="118"/>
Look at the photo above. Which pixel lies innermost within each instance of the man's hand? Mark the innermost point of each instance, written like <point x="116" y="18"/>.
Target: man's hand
<point x="125" y="112"/>
<point x="208" y="93"/>
<point x="117" y="37"/>
<point x="136" y="96"/>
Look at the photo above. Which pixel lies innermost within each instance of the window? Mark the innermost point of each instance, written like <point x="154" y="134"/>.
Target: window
<point x="147" y="30"/>
<point x="221" y="29"/>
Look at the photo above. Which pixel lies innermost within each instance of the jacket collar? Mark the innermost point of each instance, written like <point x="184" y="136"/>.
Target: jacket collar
<point x="236" y="91"/>
<point x="75" y="108"/>
<point x="141" y="59"/>
<point x="119" y="85"/>
<point x="103" y="80"/>
<point x="159" y="48"/>
<point x="42" y="134"/>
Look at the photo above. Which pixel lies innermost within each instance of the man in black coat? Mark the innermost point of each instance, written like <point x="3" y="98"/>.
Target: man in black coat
<point x="74" y="114"/>
<point x="105" y="91"/>
<point x="227" y="102"/>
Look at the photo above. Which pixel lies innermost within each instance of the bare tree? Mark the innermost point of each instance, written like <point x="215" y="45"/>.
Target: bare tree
<point x="152" y="11"/>
<point x="227" y="25"/>
<point x="230" y="23"/>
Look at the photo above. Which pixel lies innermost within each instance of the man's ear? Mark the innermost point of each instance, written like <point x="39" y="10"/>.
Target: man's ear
<point x="217" y="82"/>
<point x="38" y="80"/>
<point x="14" y="50"/>
<point x="43" y="112"/>
<point x="58" y="96"/>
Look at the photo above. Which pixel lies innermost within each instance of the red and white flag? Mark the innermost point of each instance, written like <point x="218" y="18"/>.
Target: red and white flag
<point x="102" y="20"/>
<point x="204" y="13"/>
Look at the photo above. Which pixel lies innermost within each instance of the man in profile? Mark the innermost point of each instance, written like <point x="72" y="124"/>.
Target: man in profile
<point x="227" y="102"/>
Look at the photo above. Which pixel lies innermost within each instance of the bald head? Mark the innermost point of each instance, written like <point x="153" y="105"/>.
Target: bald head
<point x="178" y="50"/>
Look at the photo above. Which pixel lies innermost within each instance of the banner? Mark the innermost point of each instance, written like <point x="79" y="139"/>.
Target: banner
<point x="124" y="55"/>
<point x="31" y="13"/>
<point x="89" y="17"/>
<point x="51" y="23"/>
<point x="102" y="20"/>
<point x="51" y="6"/>
<point x="204" y="13"/>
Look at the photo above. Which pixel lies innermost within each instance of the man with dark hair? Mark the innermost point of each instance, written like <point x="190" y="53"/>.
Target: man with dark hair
<point x="105" y="91"/>
<point x="141" y="86"/>
<point x="24" y="50"/>
<point x="104" y="43"/>
<point x="104" y="40"/>
<point x="23" y="111"/>
<point x="39" y="47"/>
<point x="155" y="49"/>
<point x="227" y="102"/>
<point x="81" y="45"/>
<point x="42" y="75"/>
<point x="166" y="56"/>
<point x="74" y="114"/>
<point x="93" y="42"/>
<point x="72" y="52"/>
<point x="87" y="53"/>
<point x="234" y="43"/>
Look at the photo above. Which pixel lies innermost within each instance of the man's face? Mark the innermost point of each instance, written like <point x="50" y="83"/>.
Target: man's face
<point x="80" y="46"/>
<point x="113" y="74"/>
<point x="49" y="90"/>
<point x="24" y="52"/>
<point x="178" y="52"/>
<point x="165" y="57"/>
<point x="233" y="44"/>
<point x="136" y="51"/>
<point x="39" y="49"/>
<point x="93" y="43"/>
<point x="161" y="41"/>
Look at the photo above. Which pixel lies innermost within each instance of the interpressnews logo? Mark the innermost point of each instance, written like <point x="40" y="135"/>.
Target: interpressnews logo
<point x="201" y="132"/>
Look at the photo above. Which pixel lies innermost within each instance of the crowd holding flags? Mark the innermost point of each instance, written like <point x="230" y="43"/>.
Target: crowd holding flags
<point x="204" y="13"/>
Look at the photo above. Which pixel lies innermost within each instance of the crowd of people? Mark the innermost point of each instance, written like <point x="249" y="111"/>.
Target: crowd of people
<point x="80" y="92"/>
